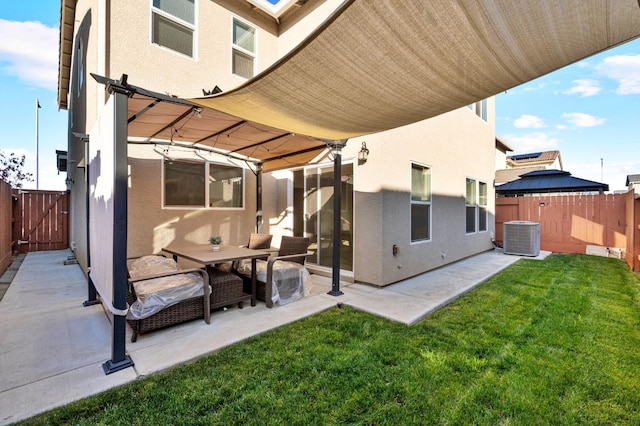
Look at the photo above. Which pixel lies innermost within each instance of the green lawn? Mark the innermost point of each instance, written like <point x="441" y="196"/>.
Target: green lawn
<point x="544" y="342"/>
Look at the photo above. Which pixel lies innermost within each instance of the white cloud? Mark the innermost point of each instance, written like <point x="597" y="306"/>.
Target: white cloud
<point x="581" y="119"/>
<point x="526" y="121"/>
<point x="17" y="152"/>
<point x="625" y="69"/>
<point x="532" y="142"/>
<point x="29" y="51"/>
<point x="584" y="87"/>
<point x="613" y="173"/>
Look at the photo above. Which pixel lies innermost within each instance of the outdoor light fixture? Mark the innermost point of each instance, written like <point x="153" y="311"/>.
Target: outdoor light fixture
<point x="363" y="154"/>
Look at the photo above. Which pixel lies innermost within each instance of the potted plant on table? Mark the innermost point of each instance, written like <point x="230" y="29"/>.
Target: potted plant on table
<point x="215" y="243"/>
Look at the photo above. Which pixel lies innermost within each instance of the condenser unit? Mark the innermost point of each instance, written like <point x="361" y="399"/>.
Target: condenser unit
<point x="521" y="238"/>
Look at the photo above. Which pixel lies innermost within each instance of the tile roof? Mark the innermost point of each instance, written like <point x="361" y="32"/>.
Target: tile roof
<point x="535" y="157"/>
<point x="632" y="179"/>
<point x="508" y="175"/>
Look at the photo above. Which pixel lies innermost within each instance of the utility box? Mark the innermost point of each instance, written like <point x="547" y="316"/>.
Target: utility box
<point x="521" y="238"/>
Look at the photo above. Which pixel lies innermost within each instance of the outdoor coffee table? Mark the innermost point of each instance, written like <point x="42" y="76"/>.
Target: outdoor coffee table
<point x="203" y="254"/>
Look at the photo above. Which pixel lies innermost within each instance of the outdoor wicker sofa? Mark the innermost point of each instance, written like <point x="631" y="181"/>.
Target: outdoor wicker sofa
<point x="181" y="306"/>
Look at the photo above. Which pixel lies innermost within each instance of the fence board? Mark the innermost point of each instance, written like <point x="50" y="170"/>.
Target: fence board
<point x="44" y="221"/>
<point x="6" y="226"/>
<point x="568" y="223"/>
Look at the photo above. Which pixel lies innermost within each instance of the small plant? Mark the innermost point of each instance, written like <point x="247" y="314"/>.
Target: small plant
<point x="215" y="240"/>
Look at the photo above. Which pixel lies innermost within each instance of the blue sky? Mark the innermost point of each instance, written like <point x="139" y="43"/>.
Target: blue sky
<point x="590" y="111"/>
<point x="29" y="71"/>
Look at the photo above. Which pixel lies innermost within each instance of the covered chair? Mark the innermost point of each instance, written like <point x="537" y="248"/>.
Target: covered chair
<point x="161" y="294"/>
<point x="285" y="272"/>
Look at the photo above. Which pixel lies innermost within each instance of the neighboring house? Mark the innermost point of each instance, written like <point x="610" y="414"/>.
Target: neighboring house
<point x="516" y="165"/>
<point x="547" y="159"/>
<point x="423" y="198"/>
<point x="502" y="147"/>
<point x="633" y="183"/>
<point x="549" y="182"/>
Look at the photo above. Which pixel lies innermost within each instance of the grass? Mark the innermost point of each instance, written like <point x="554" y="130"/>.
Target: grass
<point x="543" y="342"/>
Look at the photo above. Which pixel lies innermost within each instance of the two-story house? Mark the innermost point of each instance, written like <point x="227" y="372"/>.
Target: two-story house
<point x="423" y="198"/>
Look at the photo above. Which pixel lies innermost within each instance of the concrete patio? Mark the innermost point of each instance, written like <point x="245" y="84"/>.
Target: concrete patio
<point x="52" y="348"/>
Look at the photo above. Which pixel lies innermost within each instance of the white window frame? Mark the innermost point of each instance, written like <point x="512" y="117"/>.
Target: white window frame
<point x="240" y="49"/>
<point x="80" y="65"/>
<point x="479" y="206"/>
<point x="479" y="108"/>
<point x="179" y="21"/>
<point x="473" y="205"/>
<point x="428" y="203"/>
<point x="482" y="206"/>
<point x="205" y="205"/>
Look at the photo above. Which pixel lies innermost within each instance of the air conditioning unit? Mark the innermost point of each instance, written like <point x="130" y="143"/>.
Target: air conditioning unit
<point x="521" y="238"/>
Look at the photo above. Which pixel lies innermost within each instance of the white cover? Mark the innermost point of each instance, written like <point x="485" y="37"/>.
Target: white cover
<point x="290" y="279"/>
<point x="158" y="293"/>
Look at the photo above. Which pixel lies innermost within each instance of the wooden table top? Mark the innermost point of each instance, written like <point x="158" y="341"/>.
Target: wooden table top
<point x="204" y="254"/>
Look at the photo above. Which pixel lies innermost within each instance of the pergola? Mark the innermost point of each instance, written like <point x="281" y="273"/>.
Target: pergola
<point x="373" y="65"/>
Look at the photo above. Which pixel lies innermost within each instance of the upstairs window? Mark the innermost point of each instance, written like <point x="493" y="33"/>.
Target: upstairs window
<point x="243" y="49"/>
<point x="173" y="25"/>
<point x="420" y="203"/>
<point x="480" y="108"/>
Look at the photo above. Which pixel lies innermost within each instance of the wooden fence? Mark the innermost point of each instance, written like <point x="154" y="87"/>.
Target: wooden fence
<point x="6" y="226"/>
<point x="42" y="221"/>
<point x="568" y="223"/>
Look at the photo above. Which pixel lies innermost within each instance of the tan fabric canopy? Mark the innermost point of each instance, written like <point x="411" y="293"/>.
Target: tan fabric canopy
<point x="160" y="119"/>
<point x="379" y="64"/>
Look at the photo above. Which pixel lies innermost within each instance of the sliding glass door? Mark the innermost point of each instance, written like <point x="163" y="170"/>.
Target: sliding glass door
<point x="314" y="194"/>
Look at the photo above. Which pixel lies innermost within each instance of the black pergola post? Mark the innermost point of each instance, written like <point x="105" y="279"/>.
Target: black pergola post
<point x="259" y="198"/>
<point x="119" y="359"/>
<point x="337" y="216"/>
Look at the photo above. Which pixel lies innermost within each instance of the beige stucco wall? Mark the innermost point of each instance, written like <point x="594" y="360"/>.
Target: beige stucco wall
<point x="82" y="100"/>
<point x="152" y="226"/>
<point x="163" y="70"/>
<point x="456" y="145"/>
<point x="302" y="23"/>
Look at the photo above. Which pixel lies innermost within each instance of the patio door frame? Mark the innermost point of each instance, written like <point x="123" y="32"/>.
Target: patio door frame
<point x="312" y="221"/>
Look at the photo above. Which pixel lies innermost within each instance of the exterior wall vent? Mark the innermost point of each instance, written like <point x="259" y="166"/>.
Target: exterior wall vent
<point x="521" y="238"/>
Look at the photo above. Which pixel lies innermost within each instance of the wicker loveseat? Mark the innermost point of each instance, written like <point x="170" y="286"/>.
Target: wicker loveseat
<point x="166" y="295"/>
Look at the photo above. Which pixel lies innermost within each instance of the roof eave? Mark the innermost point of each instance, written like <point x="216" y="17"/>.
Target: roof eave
<point x="65" y="48"/>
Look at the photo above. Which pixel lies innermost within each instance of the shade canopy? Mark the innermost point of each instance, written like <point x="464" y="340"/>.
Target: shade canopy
<point x="156" y="118"/>
<point x="379" y="64"/>
<point x="375" y="65"/>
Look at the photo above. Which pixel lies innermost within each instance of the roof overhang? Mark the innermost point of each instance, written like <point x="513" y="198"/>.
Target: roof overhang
<point x="274" y="9"/>
<point x="67" y="18"/>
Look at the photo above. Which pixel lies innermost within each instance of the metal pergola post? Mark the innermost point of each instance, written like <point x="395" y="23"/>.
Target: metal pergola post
<point x="259" y="198"/>
<point x="119" y="359"/>
<point x="337" y="217"/>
